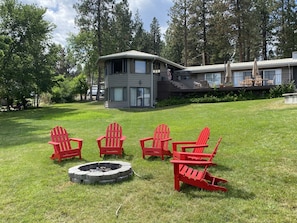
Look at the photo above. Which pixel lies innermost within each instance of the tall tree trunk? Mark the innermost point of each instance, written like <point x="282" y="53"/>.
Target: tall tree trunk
<point x="185" y="34"/>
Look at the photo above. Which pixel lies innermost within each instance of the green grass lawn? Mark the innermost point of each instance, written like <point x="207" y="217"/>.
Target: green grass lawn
<point x="258" y="156"/>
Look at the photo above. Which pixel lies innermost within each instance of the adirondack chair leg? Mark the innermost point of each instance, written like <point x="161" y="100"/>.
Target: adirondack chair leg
<point x="176" y="178"/>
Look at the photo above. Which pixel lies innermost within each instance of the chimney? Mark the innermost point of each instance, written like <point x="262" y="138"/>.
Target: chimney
<point x="294" y="55"/>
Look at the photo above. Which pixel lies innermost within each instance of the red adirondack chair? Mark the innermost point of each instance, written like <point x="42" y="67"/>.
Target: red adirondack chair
<point x="112" y="142"/>
<point x="198" y="178"/>
<point x="62" y="144"/>
<point x="158" y="144"/>
<point x="196" y="146"/>
<point x="198" y="156"/>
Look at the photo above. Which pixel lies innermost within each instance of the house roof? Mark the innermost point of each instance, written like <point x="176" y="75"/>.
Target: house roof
<point x="133" y="54"/>
<point x="265" y="64"/>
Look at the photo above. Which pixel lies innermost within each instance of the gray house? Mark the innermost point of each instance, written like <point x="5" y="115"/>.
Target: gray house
<point x="137" y="79"/>
<point x="131" y="78"/>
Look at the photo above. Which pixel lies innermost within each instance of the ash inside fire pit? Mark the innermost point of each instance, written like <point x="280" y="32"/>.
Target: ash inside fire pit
<point x="101" y="167"/>
<point x="100" y="172"/>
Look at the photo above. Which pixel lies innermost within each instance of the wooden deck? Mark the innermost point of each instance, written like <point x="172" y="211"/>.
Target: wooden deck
<point x="167" y="90"/>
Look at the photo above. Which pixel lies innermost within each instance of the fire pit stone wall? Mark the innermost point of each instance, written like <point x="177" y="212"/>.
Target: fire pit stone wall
<point x="100" y="172"/>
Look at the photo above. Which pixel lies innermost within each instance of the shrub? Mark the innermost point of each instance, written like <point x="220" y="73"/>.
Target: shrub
<point x="279" y="90"/>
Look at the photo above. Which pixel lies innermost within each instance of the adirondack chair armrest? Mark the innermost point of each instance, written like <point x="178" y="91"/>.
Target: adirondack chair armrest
<point x="167" y="139"/>
<point x="53" y="143"/>
<point x="178" y="143"/>
<point x="100" y="138"/>
<point x="191" y="162"/>
<point x="146" y="139"/>
<point x="122" y="139"/>
<point x="184" y="155"/>
<point x="143" y="140"/>
<point x="193" y="146"/>
<point x="56" y="146"/>
<point x="78" y="140"/>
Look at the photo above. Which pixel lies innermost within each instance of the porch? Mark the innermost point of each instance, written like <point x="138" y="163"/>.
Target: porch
<point x="167" y="89"/>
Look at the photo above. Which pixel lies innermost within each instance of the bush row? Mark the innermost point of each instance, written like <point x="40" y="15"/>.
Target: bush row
<point x="241" y="95"/>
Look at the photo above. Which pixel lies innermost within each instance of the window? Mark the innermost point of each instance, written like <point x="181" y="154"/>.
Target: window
<point x="140" y="97"/>
<point x="140" y="67"/>
<point x="272" y="77"/>
<point x="119" y="66"/>
<point x="239" y="77"/>
<point x="118" y="94"/>
<point x="213" y="79"/>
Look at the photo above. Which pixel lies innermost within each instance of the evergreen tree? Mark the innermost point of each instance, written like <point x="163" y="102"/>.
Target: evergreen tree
<point x="122" y="26"/>
<point x="287" y="28"/>
<point x="177" y="35"/>
<point x="138" y="34"/>
<point x="155" y="37"/>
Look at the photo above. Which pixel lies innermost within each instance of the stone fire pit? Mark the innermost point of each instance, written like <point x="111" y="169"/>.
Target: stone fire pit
<point x="100" y="172"/>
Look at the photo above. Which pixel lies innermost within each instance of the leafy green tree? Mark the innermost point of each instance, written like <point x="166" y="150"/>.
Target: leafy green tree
<point x="25" y="61"/>
<point x="94" y="17"/>
<point x="82" y="48"/>
<point x="80" y="85"/>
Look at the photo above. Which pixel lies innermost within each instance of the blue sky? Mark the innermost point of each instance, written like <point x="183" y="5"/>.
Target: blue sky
<point x="62" y="14"/>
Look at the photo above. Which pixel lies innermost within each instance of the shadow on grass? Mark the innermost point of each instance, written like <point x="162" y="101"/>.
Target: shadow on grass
<point x="232" y="192"/>
<point x="13" y="133"/>
<point x="158" y="158"/>
<point x="117" y="157"/>
<point x="37" y="113"/>
<point x="17" y="129"/>
<point x="75" y="161"/>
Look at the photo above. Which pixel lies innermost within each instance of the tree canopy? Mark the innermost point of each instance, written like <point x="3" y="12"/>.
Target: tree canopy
<point x="25" y="55"/>
<point x="199" y="32"/>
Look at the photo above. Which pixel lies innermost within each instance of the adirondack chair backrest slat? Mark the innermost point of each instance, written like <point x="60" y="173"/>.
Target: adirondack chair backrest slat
<point x="202" y="139"/>
<point x="215" y="149"/>
<point x="60" y="135"/>
<point x="113" y="135"/>
<point x="161" y="132"/>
